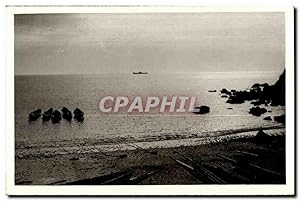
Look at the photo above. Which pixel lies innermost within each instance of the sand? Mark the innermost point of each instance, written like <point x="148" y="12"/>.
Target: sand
<point x="61" y="168"/>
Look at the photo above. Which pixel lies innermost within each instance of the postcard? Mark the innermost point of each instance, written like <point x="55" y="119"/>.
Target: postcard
<point x="150" y="101"/>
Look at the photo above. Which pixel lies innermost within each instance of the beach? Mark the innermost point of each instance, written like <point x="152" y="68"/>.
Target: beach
<point x="64" y="168"/>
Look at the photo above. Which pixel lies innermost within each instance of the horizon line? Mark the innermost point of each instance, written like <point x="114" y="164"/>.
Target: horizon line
<point x="154" y="73"/>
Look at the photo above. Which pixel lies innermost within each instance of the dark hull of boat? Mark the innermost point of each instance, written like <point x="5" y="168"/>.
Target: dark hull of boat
<point x="35" y="115"/>
<point x="79" y="118"/>
<point x="46" y="117"/>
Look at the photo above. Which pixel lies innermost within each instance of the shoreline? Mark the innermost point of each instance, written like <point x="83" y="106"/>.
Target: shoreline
<point x="93" y="145"/>
<point x="58" y="169"/>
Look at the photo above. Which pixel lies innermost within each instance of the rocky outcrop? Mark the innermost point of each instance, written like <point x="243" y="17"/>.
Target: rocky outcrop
<point x="225" y="91"/>
<point x="276" y="92"/>
<point x="259" y="94"/>
<point x="235" y="99"/>
<point x="280" y="119"/>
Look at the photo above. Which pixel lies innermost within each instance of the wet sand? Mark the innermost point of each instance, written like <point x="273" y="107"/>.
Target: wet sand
<point x="62" y="168"/>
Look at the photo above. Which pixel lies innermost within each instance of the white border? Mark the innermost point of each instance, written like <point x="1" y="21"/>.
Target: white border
<point x="287" y="189"/>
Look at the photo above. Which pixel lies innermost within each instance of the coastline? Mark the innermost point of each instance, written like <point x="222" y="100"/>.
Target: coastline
<point x="62" y="168"/>
<point x="87" y="145"/>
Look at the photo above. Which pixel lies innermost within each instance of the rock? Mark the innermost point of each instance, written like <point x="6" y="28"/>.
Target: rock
<point x="278" y="91"/>
<point x="265" y="85"/>
<point x="280" y="119"/>
<point x="202" y="109"/>
<point x="256" y="103"/>
<point x="257" y="111"/>
<point x="266" y="94"/>
<point x="275" y="93"/>
<point x="255" y="86"/>
<point x="235" y="100"/>
<point x="224" y="96"/>
<point x="34" y="115"/>
<point x="239" y="97"/>
<point x="268" y="118"/>
<point x="262" y="137"/>
<point x="229" y="108"/>
<point x="260" y="102"/>
<point x="56" y="116"/>
<point x="225" y="91"/>
<point x="212" y="90"/>
<point x="274" y="104"/>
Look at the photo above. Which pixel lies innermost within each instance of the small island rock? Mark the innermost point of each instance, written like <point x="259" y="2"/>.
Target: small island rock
<point x="268" y="118"/>
<point x="257" y="111"/>
<point x="202" y="109"/>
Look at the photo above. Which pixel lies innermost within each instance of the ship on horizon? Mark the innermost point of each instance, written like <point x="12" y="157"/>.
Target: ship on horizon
<point x="139" y="73"/>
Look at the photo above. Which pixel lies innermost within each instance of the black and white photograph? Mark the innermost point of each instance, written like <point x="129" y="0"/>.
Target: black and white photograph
<point x="113" y="99"/>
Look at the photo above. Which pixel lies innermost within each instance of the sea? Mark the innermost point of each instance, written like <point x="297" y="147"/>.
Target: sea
<point x="104" y="131"/>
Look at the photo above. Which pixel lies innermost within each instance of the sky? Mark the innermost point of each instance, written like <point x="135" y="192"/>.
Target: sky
<point x="157" y="43"/>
